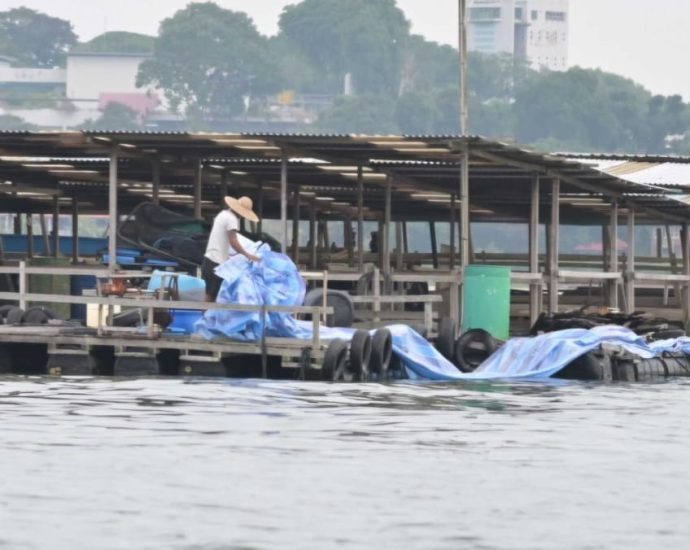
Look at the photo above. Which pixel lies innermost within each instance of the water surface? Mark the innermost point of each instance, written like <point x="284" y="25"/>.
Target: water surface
<point x="204" y="464"/>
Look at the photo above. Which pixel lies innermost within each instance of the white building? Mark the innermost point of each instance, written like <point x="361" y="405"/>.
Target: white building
<point x="535" y="30"/>
<point x="91" y="74"/>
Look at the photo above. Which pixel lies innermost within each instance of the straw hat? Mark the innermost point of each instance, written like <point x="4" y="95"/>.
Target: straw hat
<point x="242" y="206"/>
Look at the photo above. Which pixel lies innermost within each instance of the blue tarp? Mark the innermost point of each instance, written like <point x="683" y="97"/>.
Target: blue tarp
<point x="276" y="281"/>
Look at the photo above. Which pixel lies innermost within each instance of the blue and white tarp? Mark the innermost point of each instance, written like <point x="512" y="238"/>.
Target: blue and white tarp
<point x="275" y="280"/>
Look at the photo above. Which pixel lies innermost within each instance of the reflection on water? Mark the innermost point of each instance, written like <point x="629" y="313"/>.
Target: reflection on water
<point x="204" y="464"/>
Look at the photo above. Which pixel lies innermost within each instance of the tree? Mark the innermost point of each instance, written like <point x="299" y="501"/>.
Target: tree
<point x="208" y="59"/>
<point x="11" y="123"/>
<point x="118" y="41"/>
<point x="365" y="38"/>
<point x="115" y="116"/>
<point x="364" y="114"/>
<point x="34" y="39"/>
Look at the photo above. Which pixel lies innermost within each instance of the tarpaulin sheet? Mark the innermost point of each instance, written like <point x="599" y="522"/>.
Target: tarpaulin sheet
<point x="276" y="281"/>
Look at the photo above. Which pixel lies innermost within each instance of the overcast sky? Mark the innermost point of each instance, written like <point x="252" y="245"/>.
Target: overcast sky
<point x="645" y="40"/>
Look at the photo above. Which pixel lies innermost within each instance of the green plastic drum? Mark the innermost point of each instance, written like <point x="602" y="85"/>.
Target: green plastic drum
<point x="486" y="299"/>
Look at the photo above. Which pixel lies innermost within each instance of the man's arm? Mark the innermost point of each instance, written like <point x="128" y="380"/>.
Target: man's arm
<point x="235" y="243"/>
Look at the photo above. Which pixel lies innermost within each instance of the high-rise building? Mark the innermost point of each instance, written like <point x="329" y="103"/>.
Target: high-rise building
<point x="534" y="30"/>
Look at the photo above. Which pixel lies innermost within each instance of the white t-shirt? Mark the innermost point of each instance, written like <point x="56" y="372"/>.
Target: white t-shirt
<point x="218" y="248"/>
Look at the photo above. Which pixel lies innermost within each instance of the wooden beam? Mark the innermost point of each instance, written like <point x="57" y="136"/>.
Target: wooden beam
<point x="630" y="274"/>
<point x="554" y="239"/>
<point x="295" y="224"/>
<point x="56" y="228"/>
<point x="156" y="180"/>
<point x="613" y="253"/>
<point x="464" y="207"/>
<point x="385" y="236"/>
<point x="75" y="230"/>
<point x="360" y="218"/>
<point x="283" y="203"/>
<point x="112" y="211"/>
<point x="535" y="294"/>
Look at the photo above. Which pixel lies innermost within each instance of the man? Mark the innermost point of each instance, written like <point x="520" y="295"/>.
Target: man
<point x="225" y="242"/>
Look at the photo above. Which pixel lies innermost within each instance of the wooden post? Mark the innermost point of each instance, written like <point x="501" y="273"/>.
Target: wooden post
<point x="464" y="208"/>
<point x="283" y="204"/>
<point x="554" y="244"/>
<point x="451" y="259"/>
<point x="630" y="275"/>
<point x="685" y="242"/>
<point x="56" y="227"/>
<point x="434" y="245"/>
<point x="295" y="224"/>
<point x="30" y="235"/>
<point x="75" y="230"/>
<point x="399" y="246"/>
<point x="17" y="224"/>
<point x="613" y="253"/>
<point x="156" y="183"/>
<point x="198" y="177"/>
<point x="260" y="206"/>
<point x="45" y="236"/>
<point x="112" y="212"/>
<point x="360" y="218"/>
<point x="349" y="242"/>
<point x="224" y="186"/>
<point x="535" y="294"/>
<point x="312" y="235"/>
<point x="22" y="284"/>
<point x="386" y="235"/>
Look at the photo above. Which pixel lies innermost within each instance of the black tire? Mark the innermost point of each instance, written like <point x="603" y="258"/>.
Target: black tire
<point x="14" y="316"/>
<point x="668" y="333"/>
<point x="472" y="348"/>
<point x="334" y="366"/>
<point x="37" y="316"/>
<point x="4" y="310"/>
<point x="130" y="318"/>
<point x="360" y="354"/>
<point x="343" y="308"/>
<point x="445" y="342"/>
<point x="381" y="352"/>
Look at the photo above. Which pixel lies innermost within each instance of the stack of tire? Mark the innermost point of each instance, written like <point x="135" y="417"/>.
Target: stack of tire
<point x="467" y="351"/>
<point x="14" y="315"/>
<point x="366" y="357"/>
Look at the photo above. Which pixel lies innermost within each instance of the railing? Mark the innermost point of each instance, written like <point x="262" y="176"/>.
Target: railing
<point x="22" y="297"/>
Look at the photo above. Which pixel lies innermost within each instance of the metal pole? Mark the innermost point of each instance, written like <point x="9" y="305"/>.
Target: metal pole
<point x="44" y="236"/>
<point x="554" y="229"/>
<point x="630" y="275"/>
<point x="462" y="49"/>
<point x="312" y="236"/>
<point x="75" y="230"/>
<point x="360" y="217"/>
<point x="535" y="289"/>
<point x="112" y="212"/>
<point x="156" y="177"/>
<point x="434" y="245"/>
<point x="283" y="204"/>
<point x="30" y="235"/>
<point x="385" y="236"/>
<point x="198" y="176"/>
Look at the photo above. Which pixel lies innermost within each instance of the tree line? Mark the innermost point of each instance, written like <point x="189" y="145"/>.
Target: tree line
<point x="213" y="64"/>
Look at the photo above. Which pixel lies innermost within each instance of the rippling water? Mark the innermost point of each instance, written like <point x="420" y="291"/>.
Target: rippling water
<point x="97" y="463"/>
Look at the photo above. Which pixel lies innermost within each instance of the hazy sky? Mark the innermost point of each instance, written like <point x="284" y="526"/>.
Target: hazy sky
<point x="645" y="40"/>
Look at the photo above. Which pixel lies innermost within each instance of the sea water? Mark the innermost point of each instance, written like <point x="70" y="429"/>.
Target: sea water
<point x="221" y="464"/>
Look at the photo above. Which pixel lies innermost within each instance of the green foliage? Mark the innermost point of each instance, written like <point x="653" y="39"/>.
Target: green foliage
<point x="364" y="114"/>
<point x="365" y="38"/>
<point x="207" y="59"/>
<point x="119" y="42"/>
<point x="11" y="123"/>
<point x="115" y="116"/>
<point x="33" y="39"/>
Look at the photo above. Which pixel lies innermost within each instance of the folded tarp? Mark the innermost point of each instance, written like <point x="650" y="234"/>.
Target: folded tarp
<point x="276" y="281"/>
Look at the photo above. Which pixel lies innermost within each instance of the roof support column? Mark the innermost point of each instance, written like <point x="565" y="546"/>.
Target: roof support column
<point x="630" y="273"/>
<point x="312" y="234"/>
<point x="30" y="235"/>
<point x="685" y="242"/>
<point x="534" y="288"/>
<point x="434" y="244"/>
<point x="75" y="230"/>
<point x="451" y="259"/>
<point x="360" y="218"/>
<point x="283" y="204"/>
<point x="399" y="246"/>
<point x="56" y="227"/>
<point x="348" y="241"/>
<point x="554" y="230"/>
<point x="223" y="185"/>
<point x="295" y="224"/>
<point x="198" y="177"/>
<point x="385" y="235"/>
<point x="112" y="212"/>
<point x="45" y="236"/>
<point x="156" y="180"/>
<point x="464" y="207"/>
<point x="613" y="254"/>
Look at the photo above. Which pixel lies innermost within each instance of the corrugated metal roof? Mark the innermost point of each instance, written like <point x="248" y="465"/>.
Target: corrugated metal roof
<point x="660" y="173"/>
